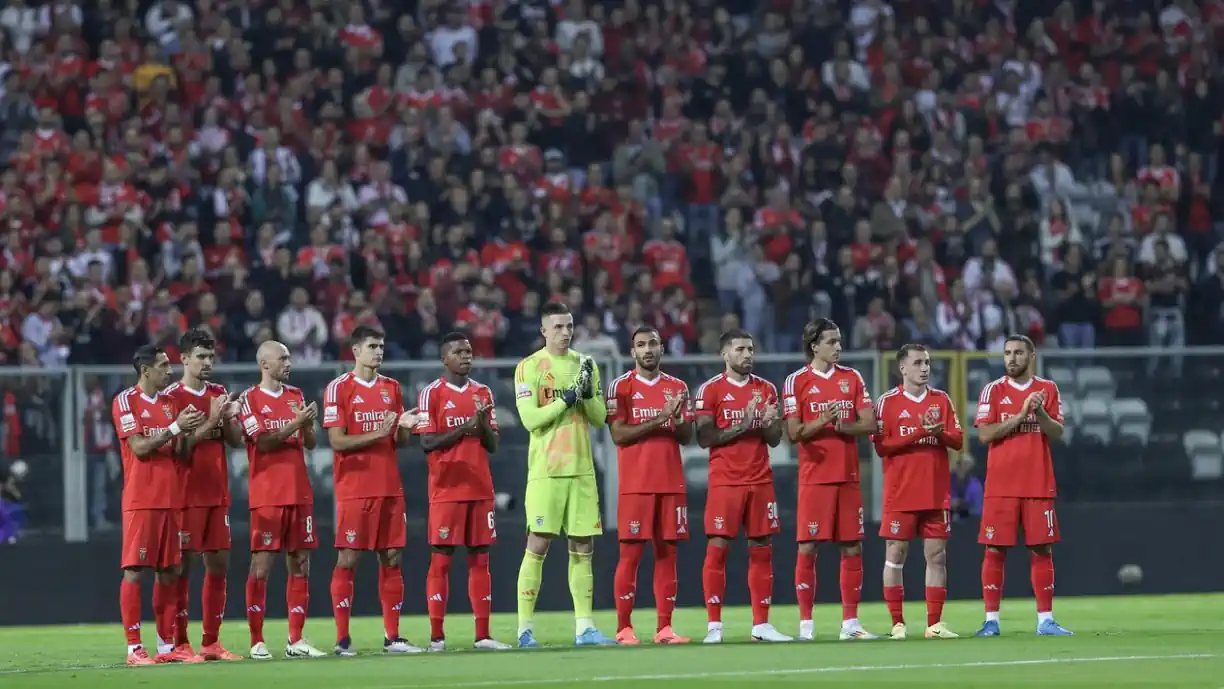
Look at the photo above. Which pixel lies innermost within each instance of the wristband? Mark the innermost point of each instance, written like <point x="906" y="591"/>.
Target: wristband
<point x="175" y="429"/>
<point x="570" y="397"/>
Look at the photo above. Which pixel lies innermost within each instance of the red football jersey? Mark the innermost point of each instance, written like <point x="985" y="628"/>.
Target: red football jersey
<point x="359" y="407"/>
<point x="1019" y="466"/>
<point x="207" y="475"/>
<point x="459" y="473"/>
<point x="916" y="476"/>
<point x="151" y="483"/>
<point x="652" y="464"/>
<point x="830" y="457"/>
<point x="744" y="461"/>
<point x="277" y="477"/>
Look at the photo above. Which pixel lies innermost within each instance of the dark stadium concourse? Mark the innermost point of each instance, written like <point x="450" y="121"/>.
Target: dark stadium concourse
<point x="74" y="583"/>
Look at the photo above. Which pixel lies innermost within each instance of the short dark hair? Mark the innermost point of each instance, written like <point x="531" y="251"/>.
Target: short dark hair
<point x="1017" y="337"/>
<point x="812" y="332"/>
<point x="733" y="334"/>
<point x="554" y="308"/>
<point x="642" y="330"/>
<point x="146" y="356"/>
<point x="449" y="339"/>
<point x="196" y="337"/>
<point x="366" y="332"/>
<point x="907" y="349"/>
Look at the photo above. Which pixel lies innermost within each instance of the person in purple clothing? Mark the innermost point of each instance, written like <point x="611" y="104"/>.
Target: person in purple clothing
<point x="966" y="489"/>
<point x="12" y="512"/>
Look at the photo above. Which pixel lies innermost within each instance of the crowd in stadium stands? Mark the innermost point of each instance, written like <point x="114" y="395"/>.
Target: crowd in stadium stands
<point x="921" y="171"/>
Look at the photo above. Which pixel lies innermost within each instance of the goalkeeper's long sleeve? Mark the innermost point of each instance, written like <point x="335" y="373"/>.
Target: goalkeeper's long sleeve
<point x="534" y="418"/>
<point x="595" y="411"/>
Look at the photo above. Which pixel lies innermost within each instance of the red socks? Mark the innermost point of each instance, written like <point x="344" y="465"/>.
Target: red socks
<point x="992" y="579"/>
<point x="129" y="610"/>
<point x="480" y="592"/>
<point x="297" y="597"/>
<point x="714" y="580"/>
<point x="805" y="585"/>
<point x="664" y="582"/>
<point x="760" y="581"/>
<point x="212" y="599"/>
<point x="851" y="585"/>
<point x="894" y="596"/>
<point x="391" y="594"/>
<point x="1041" y="572"/>
<point x="257" y="607"/>
<point x="935" y="597"/>
<point x="165" y="610"/>
<point x="342" y="600"/>
<point x="437" y="585"/>
<point x="624" y="585"/>
<point x="183" y="586"/>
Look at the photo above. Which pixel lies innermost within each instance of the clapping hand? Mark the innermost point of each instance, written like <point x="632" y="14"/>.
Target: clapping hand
<point x="409" y="419"/>
<point x="672" y="408"/>
<point x="770" y="415"/>
<point x="190" y="419"/>
<point x="307" y="413"/>
<point x="586" y="375"/>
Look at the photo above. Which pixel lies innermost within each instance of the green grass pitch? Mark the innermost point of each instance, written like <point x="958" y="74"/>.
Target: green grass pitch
<point x="1158" y="641"/>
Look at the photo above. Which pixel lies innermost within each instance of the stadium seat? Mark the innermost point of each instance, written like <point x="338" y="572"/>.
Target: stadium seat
<point x="1131" y="419"/>
<point x="1095" y="382"/>
<point x="1095" y="423"/>
<point x="1206" y="458"/>
<point x="1065" y="377"/>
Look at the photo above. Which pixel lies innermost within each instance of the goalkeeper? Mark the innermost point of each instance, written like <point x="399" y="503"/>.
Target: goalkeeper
<point x="557" y="393"/>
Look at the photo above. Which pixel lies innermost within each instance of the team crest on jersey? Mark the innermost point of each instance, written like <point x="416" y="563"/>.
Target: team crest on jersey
<point x="267" y="538"/>
<point x="166" y="408"/>
<point x="894" y="527"/>
<point x="719" y="522"/>
<point x="990" y="533"/>
<point x="813" y="528"/>
<point x="444" y="532"/>
<point x="386" y="397"/>
<point x="540" y="522"/>
<point x="144" y="554"/>
<point x="293" y="406"/>
<point x="845" y="386"/>
<point x="932" y="413"/>
<point x="350" y="536"/>
<point x="635" y="528"/>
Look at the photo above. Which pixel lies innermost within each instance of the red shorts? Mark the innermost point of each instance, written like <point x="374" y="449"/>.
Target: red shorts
<point x="471" y="524"/>
<point x="371" y="524"/>
<point x="730" y="507"/>
<point x="829" y="512"/>
<point x="647" y="516"/>
<point x="1002" y="519"/>
<point x="905" y="526"/>
<point x="282" y="527"/>
<point x="205" y="529"/>
<point x="151" y="539"/>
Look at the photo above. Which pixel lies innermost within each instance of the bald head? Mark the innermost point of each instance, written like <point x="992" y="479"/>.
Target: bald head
<point x="274" y="361"/>
<point x="270" y="351"/>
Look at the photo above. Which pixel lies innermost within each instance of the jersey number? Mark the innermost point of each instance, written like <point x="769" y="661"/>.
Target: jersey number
<point x="1049" y="515"/>
<point x="309" y="525"/>
<point x="682" y="515"/>
<point x="772" y="508"/>
<point x="492" y="522"/>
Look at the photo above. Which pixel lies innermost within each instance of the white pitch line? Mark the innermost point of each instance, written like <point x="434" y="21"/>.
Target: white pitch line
<point x="798" y="671"/>
<point x="712" y="675"/>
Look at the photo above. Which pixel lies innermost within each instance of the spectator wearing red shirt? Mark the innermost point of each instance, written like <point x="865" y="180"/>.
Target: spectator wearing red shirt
<point x="701" y="161"/>
<point x="1122" y="298"/>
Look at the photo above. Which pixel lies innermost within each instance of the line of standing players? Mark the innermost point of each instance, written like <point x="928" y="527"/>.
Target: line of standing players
<point x="825" y="408"/>
<point x="176" y="495"/>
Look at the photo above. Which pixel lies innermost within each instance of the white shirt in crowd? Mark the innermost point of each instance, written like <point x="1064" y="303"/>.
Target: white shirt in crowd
<point x="442" y="42"/>
<point x="291" y="169"/>
<point x="304" y="332"/>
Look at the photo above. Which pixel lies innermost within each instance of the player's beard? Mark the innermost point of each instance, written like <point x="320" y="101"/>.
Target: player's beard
<point x="1016" y="370"/>
<point x="743" y="368"/>
<point x="650" y="366"/>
